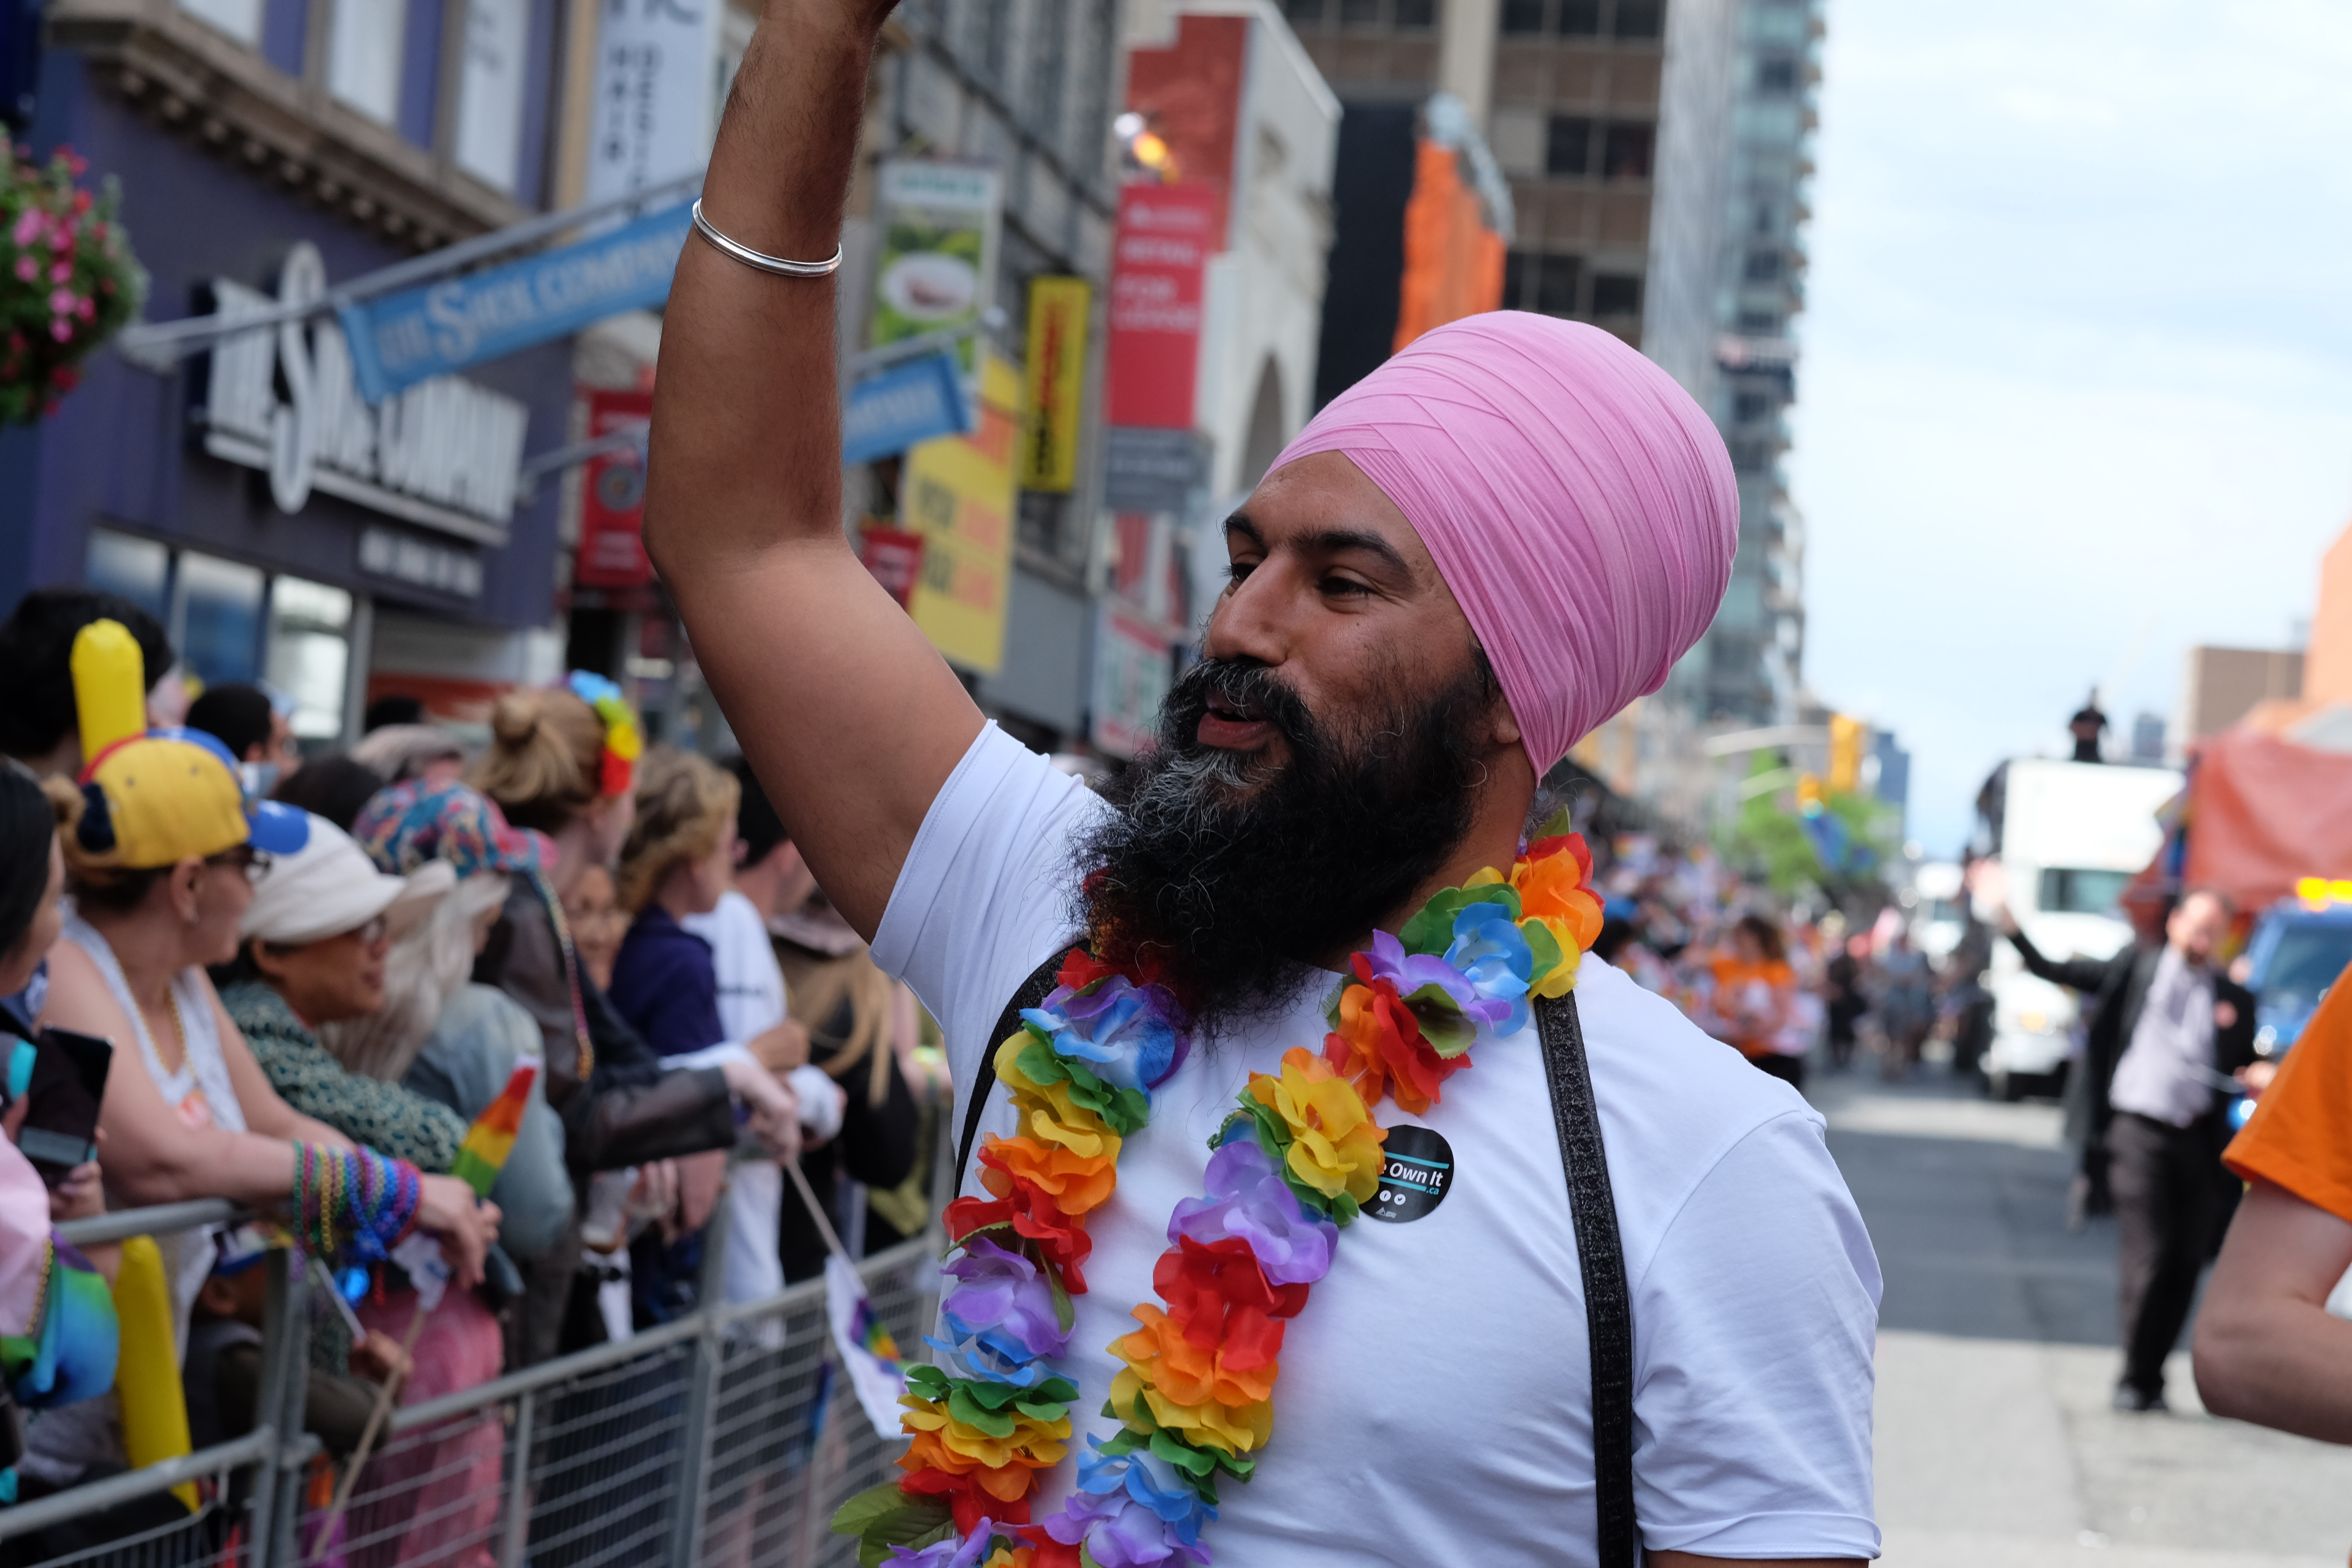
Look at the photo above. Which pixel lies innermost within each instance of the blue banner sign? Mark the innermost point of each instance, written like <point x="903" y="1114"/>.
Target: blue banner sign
<point x="900" y="407"/>
<point x="402" y="339"/>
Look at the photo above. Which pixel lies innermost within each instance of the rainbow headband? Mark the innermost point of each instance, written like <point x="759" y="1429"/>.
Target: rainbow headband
<point x="623" y="744"/>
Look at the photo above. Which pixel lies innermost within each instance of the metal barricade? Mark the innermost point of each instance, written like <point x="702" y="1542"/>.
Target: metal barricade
<point x="724" y="1440"/>
<point x="215" y="1508"/>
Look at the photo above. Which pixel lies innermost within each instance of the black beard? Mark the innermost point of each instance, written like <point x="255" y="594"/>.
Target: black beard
<point x="1227" y="893"/>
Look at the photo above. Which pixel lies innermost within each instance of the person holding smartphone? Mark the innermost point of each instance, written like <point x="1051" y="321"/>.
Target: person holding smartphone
<point x="57" y="1331"/>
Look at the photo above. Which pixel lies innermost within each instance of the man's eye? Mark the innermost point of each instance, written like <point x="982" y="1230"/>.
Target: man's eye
<point x="1236" y="571"/>
<point x="1344" y="587"/>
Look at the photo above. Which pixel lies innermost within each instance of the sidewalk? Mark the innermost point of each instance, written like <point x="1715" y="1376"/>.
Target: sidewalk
<point x="1996" y="1447"/>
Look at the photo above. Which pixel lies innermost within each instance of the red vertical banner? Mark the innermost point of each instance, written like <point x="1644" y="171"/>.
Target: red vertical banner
<point x="1159" y="257"/>
<point x="895" y="557"/>
<point x="612" y="498"/>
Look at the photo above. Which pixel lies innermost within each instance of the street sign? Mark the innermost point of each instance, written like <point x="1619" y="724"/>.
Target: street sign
<point x="937" y="225"/>
<point x="398" y="340"/>
<point x="903" y="407"/>
<point x="1057" y="373"/>
<point x="1152" y="470"/>
<point x="656" y="85"/>
<point x="612" y="497"/>
<point x="1159" y="257"/>
<point x="1134" y="667"/>
<point x="957" y="494"/>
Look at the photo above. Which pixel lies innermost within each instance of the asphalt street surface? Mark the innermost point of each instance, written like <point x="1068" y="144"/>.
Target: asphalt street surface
<point x="1996" y="1359"/>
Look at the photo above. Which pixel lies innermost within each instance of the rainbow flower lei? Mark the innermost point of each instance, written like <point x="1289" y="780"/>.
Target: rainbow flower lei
<point x="1292" y="1164"/>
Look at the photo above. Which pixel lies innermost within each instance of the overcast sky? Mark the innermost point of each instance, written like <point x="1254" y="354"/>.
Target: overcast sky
<point x="2077" y="389"/>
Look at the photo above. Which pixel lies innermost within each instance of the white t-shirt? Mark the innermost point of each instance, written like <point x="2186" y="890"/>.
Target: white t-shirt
<point x="1434" y="1402"/>
<point x="750" y="1003"/>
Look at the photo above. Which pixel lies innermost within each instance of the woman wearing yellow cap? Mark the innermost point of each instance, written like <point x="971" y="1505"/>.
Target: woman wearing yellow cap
<point x="160" y="843"/>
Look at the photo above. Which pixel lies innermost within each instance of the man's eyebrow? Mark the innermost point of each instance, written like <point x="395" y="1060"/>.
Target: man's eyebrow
<point x="1328" y="542"/>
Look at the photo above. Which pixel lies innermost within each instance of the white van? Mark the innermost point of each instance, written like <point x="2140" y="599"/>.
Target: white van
<point x="1939" y="916"/>
<point x="2071" y="837"/>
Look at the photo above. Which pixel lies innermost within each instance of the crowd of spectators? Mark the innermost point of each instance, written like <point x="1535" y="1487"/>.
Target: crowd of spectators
<point x="320" y="973"/>
<point x="1784" y="988"/>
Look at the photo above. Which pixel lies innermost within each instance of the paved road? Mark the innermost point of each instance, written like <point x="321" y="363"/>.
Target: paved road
<point x="1996" y="1447"/>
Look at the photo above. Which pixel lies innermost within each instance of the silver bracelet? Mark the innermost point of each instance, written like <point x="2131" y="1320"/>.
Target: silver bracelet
<point x="751" y="258"/>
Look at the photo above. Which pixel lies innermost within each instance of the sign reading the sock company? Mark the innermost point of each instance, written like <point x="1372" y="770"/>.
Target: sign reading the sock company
<point x="1415" y="1172"/>
<point x="399" y="340"/>
<point x="445" y="453"/>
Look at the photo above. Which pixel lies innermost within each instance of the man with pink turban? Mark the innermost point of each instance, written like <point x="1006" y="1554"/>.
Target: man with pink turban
<point x="1584" y="1286"/>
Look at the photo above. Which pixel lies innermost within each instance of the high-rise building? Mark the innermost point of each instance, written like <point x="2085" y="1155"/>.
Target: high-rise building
<point x="1754" y="651"/>
<point x="1567" y="94"/>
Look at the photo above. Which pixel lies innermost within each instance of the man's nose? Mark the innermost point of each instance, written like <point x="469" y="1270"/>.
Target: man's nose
<point x="1247" y="622"/>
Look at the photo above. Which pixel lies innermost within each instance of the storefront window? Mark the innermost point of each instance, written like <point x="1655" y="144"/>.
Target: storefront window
<point x="138" y="568"/>
<point x="364" y="52"/>
<point x="490" y="91"/>
<point x="240" y="20"/>
<point x="216" y="621"/>
<point x="309" y="655"/>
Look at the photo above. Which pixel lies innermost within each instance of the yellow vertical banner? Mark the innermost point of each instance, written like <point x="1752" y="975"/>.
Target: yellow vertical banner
<point x="957" y="492"/>
<point x="1057" y="373"/>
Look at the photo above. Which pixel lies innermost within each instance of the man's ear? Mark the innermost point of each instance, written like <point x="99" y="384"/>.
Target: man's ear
<point x="271" y="966"/>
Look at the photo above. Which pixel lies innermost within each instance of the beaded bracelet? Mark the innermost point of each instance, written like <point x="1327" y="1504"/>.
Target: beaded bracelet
<point x="353" y="1200"/>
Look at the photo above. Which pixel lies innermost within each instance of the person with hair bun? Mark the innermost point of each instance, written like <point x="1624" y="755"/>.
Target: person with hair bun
<point x="562" y="762"/>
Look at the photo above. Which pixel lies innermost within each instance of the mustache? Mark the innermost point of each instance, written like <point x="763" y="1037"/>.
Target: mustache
<point x="1245" y="687"/>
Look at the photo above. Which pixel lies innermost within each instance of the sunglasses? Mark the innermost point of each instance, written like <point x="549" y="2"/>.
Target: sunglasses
<point x="253" y="862"/>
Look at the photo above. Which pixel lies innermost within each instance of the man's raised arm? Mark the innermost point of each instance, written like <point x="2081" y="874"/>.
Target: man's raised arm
<point x="850" y="719"/>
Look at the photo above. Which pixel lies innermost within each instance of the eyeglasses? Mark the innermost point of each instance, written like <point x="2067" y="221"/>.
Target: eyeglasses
<point x="253" y="862"/>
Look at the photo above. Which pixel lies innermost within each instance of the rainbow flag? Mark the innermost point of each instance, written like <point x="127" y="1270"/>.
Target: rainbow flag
<point x="491" y="1138"/>
<point x="866" y="1351"/>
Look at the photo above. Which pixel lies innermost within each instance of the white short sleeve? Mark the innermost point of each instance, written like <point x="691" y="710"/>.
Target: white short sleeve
<point x="1754" y="1328"/>
<point x="986" y="894"/>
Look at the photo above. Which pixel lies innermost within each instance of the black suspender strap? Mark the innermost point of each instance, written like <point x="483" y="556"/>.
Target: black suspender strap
<point x="1032" y="991"/>
<point x="1593" y="1207"/>
<point x="1600" y="1256"/>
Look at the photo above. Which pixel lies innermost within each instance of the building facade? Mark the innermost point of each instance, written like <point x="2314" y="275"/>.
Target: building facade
<point x="266" y="150"/>
<point x="1027" y="87"/>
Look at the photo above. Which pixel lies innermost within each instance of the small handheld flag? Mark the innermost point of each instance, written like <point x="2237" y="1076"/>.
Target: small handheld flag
<point x="491" y="1138"/>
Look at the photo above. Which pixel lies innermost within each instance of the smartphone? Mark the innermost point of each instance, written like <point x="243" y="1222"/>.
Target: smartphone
<point x="60" y="1127"/>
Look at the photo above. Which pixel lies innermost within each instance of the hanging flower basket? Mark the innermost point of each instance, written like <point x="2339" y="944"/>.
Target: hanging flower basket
<point x="67" y="279"/>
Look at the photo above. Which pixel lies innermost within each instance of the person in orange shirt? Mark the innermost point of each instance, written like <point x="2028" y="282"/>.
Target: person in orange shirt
<point x="1754" y="988"/>
<point x="2267" y="1348"/>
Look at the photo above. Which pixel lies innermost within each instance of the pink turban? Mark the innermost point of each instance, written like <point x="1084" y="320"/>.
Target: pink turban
<point x="1576" y="500"/>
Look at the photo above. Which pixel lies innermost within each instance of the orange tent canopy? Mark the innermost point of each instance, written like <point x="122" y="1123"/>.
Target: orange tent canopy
<point x="2264" y="813"/>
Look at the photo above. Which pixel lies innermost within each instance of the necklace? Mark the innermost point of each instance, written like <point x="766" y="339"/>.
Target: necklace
<point x="179" y="1024"/>
<point x="1291" y="1165"/>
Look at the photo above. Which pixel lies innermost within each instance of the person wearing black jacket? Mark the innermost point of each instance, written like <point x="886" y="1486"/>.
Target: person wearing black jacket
<point x="2169" y="1031"/>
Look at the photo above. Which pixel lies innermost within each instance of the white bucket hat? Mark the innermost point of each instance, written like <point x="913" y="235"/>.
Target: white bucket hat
<point x="329" y="887"/>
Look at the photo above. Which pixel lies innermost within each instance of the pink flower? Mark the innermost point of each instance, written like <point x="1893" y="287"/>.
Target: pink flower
<point x="61" y="272"/>
<point x="27" y="270"/>
<point x="86" y="310"/>
<point x="62" y="301"/>
<point x="61" y="331"/>
<point x="28" y="227"/>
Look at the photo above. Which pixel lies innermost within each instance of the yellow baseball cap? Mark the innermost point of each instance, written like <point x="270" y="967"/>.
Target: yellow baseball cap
<point x="165" y="796"/>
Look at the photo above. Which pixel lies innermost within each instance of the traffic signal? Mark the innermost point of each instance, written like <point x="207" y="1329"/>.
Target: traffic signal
<point x="1849" y="739"/>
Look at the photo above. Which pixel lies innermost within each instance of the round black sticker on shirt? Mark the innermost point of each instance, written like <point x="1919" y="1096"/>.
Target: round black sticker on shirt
<point x="1414" y="1176"/>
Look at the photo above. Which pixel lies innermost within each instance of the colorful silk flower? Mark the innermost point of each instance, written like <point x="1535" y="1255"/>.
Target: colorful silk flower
<point x="1001" y="1316"/>
<point x="1127" y="1033"/>
<point x="1132" y="1510"/>
<point x="1249" y="1201"/>
<point x="1292" y="1164"/>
